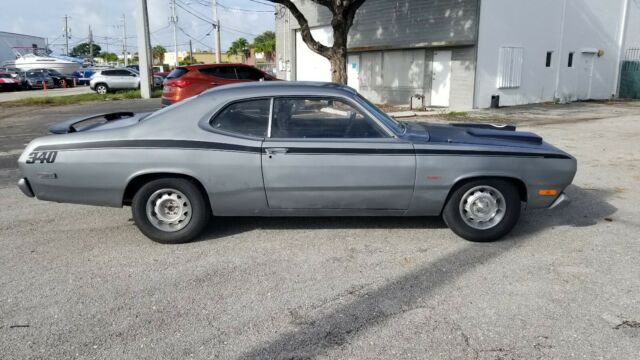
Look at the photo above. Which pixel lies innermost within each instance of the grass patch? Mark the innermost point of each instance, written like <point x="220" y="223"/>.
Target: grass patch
<point x="457" y="114"/>
<point x="77" y="99"/>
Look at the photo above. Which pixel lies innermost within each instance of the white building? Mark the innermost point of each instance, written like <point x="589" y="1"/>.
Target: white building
<point x="461" y="53"/>
<point x="8" y="41"/>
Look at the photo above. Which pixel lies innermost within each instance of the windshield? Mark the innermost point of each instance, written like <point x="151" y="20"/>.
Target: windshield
<point x="390" y="122"/>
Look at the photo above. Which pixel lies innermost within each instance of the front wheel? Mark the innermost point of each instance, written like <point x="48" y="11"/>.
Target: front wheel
<point x="102" y="89"/>
<point x="170" y="210"/>
<point x="483" y="210"/>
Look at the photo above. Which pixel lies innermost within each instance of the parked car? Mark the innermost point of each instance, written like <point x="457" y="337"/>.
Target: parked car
<point x="8" y="82"/>
<point x="103" y="81"/>
<point x="35" y="80"/>
<point x="190" y="80"/>
<point x="286" y="148"/>
<point x="57" y="77"/>
<point x="17" y="74"/>
<point x="157" y="80"/>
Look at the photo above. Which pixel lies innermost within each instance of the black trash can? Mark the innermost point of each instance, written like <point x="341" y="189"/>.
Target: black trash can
<point x="495" y="101"/>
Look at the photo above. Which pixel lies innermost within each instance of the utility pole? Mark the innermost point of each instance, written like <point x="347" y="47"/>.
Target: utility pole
<point x="67" y="32"/>
<point x="90" y="46"/>
<point x="190" y="53"/>
<point x="124" y="40"/>
<point x="174" y="20"/>
<point x="216" y="24"/>
<point x="144" y="53"/>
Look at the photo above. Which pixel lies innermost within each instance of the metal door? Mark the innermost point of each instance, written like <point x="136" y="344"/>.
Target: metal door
<point x="586" y="77"/>
<point x="441" y="80"/>
<point x="353" y="70"/>
<point x="312" y="174"/>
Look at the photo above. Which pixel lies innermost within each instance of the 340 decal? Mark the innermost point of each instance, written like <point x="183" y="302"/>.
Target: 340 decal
<point x="42" y="157"/>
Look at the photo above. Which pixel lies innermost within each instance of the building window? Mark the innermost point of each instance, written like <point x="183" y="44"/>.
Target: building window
<point x="549" y="58"/>
<point x="510" y="67"/>
<point x="570" y="64"/>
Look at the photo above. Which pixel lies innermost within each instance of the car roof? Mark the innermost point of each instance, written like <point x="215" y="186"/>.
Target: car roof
<point x="204" y="66"/>
<point x="280" y="88"/>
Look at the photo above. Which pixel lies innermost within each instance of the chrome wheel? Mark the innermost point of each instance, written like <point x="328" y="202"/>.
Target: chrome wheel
<point x="101" y="89"/>
<point x="482" y="207"/>
<point x="168" y="210"/>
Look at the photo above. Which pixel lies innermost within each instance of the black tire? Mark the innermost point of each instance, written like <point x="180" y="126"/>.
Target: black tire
<point x="99" y="89"/>
<point x="199" y="209"/>
<point x="453" y="214"/>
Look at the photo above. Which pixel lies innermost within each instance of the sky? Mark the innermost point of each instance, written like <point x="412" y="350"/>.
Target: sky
<point x="45" y="18"/>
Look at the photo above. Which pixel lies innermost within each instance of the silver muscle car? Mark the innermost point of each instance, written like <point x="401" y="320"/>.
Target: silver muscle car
<point x="293" y="149"/>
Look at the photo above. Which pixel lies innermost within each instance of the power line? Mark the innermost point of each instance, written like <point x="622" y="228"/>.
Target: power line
<point x="201" y="17"/>
<point x="196" y="40"/>
<point x="244" y="10"/>
<point x="260" y="2"/>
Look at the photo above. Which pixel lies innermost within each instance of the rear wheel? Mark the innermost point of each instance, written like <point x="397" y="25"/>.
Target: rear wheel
<point x="102" y="89"/>
<point x="483" y="210"/>
<point x="170" y="210"/>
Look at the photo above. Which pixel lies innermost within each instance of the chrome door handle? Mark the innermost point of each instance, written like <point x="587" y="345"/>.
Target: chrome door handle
<point x="273" y="151"/>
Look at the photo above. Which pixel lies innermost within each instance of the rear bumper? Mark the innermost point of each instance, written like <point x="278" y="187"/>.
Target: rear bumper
<point x="563" y="199"/>
<point x="25" y="187"/>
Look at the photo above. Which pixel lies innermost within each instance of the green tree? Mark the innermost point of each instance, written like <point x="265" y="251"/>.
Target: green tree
<point x="188" y="60"/>
<point x="82" y="50"/>
<point x="342" y="14"/>
<point x="108" y="56"/>
<point x="239" y="47"/>
<point x="158" y="54"/>
<point x="265" y="43"/>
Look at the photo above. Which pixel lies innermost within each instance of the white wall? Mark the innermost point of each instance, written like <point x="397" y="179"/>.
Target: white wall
<point x="632" y="38"/>
<point x="309" y="65"/>
<point x="9" y="40"/>
<point x="561" y="26"/>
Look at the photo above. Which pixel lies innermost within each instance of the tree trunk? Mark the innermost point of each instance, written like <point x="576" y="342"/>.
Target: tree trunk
<point x="338" y="60"/>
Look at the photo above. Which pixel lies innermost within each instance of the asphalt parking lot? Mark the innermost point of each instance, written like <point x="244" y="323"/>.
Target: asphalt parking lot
<point x="17" y="95"/>
<point x="82" y="282"/>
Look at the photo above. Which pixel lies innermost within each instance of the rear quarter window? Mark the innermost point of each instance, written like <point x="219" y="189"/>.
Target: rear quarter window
<point x="177" y="72"/>
<point x="249" y="118"/>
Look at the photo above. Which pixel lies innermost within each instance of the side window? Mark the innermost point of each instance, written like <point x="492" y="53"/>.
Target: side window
<point x="249" y="118"/>
<point x="108" y="73"/>
<point x="223" y="72"/>
<point x="318" y="118"/>
<point x="247" y="73"/>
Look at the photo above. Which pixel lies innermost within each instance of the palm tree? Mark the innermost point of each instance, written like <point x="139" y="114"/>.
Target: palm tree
<point x="239" y="47"/>
<point x="265" y="43"/>
<point x="158" y="53"/>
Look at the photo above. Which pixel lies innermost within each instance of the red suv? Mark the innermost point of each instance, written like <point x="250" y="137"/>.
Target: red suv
<point x="190" y="80"/>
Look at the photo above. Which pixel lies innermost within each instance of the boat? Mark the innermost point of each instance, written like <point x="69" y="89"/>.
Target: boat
<point x="35" y="58"/>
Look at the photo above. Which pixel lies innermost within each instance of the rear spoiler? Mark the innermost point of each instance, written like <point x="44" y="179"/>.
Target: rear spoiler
<point x="69" y="126"/>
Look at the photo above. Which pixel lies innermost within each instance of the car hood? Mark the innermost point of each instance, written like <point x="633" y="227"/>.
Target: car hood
<point x="475" y="134"/>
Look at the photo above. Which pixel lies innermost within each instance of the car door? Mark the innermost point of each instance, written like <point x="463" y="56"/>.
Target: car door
<point x="129" y="79"/>
<point x="327" y="153"/>
<point x="236" y="178"/>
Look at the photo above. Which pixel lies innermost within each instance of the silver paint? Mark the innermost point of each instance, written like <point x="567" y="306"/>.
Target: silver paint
<point x="254" y="183"/>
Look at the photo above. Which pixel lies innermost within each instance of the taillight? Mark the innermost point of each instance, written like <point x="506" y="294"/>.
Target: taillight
<point x="179" y="83"/>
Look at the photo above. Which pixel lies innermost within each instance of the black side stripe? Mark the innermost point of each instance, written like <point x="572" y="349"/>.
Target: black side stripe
<point x="160" y="144"/>
<point x="489" y="153"/>
<point x="206" y="145"/>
